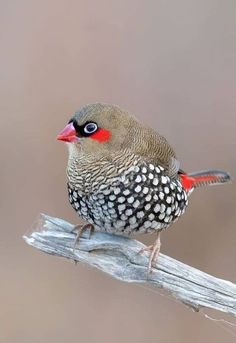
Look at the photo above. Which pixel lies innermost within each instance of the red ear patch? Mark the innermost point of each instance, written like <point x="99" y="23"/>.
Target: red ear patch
<point x="101" y="135"/>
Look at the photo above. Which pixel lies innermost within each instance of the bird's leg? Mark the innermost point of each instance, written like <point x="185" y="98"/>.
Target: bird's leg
<point x="154" y="250"/>
<point x="79" y="229"/>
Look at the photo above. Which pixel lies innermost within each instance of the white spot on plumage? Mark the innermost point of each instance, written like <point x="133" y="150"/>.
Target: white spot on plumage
<point x="121" y="199"/>
<point x="110" y="204"/>
<point x="168" y="200"/>
<point x="147" y="207"/>
<point x="163" y="179"/>
<point x="130" y="200"/>
<point x="150" y="176"/>
<point x="166" y="190"/>
<point x="121" y="207"/>
<point x="161" y="216"/>
<point x="144" y="170"/>
<point x="155" y="224"/>
<point x="138" y="189"/>
<point x="129" y="212"/>
<point x="132" y="220"/>
<point x="136" y="203"/>
<point x="157" y="208"/>
<point x="157" y="170"/>
<point x="147" y="224"/>
<point x="151" y="216"/>
<point x="112" y="197"/>
<point x="163" y="208"/>
<point x="123" y="217"/>
<point x="140" y="214"/>
<point x="155" y="181"/>
<point x="151" y="166"/>
<point x="148" y="197"/>
<point x="107" y="191"/>
<point x="145" y="190"/>
<point x="126" y="192"/>
<point x="111" y="210"/>
<point x="168" y="211"/>
<point x="138" y="179"/>
<point x="155" y="197"/>
<point x="161" y="195"/>
<point x="144" y="178"/>
<point x="117" y="191"/>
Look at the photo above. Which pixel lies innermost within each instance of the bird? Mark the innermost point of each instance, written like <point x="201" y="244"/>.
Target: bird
<point x="123" y="177"/>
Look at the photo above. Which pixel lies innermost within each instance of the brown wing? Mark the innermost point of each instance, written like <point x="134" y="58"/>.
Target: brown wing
<point x="155" y="148"/>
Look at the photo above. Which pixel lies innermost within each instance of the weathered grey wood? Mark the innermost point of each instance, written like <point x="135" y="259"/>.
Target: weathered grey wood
<point x="117" y="256"/>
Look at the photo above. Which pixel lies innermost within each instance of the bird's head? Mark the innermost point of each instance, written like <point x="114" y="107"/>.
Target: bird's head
<point x="100" y="127"/>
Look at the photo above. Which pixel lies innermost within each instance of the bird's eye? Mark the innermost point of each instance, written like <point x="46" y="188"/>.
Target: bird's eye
<point x="90" y="128"/>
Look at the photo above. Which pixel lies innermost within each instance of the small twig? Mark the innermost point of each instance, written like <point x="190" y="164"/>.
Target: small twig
<point x="118" y="256"/>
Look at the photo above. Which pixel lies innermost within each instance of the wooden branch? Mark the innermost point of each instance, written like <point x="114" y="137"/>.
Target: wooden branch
<point x="118" y="256"/>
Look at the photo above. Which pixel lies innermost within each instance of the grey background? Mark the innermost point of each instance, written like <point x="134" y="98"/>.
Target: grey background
<point x="173" y="64"/>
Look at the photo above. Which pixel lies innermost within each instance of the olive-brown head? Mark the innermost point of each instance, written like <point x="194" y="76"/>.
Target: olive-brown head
<point x="102" y="129"/>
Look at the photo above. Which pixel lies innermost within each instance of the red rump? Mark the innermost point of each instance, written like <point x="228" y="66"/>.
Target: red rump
<point x="189" y="182"/>
<point x="101" y="135"/>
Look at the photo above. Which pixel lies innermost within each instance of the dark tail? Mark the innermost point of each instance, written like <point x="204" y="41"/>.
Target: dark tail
<point x="204" y="178"/>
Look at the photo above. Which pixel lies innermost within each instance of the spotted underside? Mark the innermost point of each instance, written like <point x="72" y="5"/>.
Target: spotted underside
<point x="142" y="199"/>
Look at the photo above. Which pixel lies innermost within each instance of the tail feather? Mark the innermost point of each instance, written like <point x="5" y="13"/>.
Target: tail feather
<point x="204" y="178"/>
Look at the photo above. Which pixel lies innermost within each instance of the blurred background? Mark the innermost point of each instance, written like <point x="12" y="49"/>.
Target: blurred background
<point x="173" y="64"/>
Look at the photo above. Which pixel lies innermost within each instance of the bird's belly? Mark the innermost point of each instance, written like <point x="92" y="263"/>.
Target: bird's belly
<point x="132" y="207"/>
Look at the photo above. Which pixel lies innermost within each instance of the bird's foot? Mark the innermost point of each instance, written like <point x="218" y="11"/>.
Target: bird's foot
<point x="154" y="251"/>
<point x="79" y="229"/>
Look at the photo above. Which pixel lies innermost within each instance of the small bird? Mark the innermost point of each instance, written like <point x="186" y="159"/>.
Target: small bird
<point x="124" y="178"/>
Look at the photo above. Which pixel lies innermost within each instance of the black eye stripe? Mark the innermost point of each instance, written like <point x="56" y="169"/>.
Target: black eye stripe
<point x="76" y="126"/>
